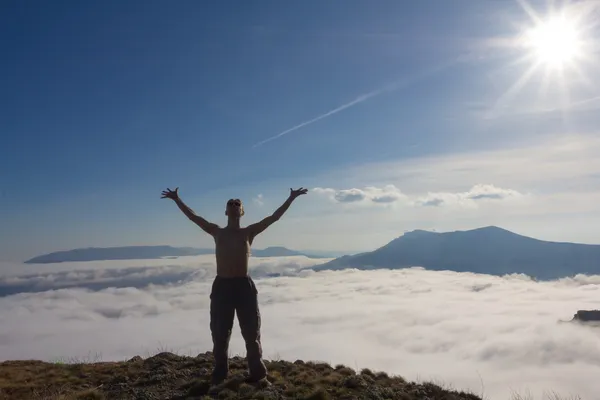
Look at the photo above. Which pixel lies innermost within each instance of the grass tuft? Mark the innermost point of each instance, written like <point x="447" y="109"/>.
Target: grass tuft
<point x="167" y="375"/>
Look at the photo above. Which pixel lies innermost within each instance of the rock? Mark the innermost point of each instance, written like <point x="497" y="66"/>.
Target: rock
<point x="587" y="315"/>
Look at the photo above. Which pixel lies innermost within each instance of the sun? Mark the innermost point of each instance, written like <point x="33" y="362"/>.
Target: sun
<point x="555" y="42"/>
<point x="557" y="49"/>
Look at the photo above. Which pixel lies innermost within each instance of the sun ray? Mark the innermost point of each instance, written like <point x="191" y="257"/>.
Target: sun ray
<point x="565" y="101"/>
<point x="523" y="60"/>
<point x="584" y="78"/>
<point x="514" y="89"/>
<point x="543" y="90"/>
<point x="564" y="94"/>
<point x="529" y="10"/>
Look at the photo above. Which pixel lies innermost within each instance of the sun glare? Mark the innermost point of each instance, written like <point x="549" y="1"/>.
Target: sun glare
<point x="556" y="49"/>
<point x="555" y="42"/>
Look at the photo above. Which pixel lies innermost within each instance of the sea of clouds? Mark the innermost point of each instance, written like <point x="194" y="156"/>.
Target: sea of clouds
<point x="491" y="335"/>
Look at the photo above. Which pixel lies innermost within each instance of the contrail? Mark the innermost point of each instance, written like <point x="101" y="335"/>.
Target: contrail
<point x="358" y="100"/>
<point x="387" y="88"/>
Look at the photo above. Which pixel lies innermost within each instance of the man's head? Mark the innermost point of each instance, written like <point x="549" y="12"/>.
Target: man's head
<point x="234" y="208"/>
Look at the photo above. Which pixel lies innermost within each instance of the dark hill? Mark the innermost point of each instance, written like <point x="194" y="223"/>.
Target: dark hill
<point x="488" y="250"/>
<point x="146" y="252"/>
<point x="280" y="252"/>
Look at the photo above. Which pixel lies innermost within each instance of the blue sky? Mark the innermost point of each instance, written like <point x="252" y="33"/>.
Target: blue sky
<point x="106" y="104"/>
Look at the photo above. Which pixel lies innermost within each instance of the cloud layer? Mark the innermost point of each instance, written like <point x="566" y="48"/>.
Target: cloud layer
<point x="390" y="194"/>
<point x="98" y="275"/>
<point x="458" y="328"/>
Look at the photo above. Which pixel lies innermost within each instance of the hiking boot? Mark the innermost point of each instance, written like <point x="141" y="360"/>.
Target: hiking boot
<point x="213" y="389"/>
<point x="260" y="382"/>
<point x="216" y="381"/>
<point x="216" y="385"/>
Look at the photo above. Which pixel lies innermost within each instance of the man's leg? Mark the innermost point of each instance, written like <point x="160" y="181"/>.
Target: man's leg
<point x="222" y="312"/>
<point x="248" y="314"/>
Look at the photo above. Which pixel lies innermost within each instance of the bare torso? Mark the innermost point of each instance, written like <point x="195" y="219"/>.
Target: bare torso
<point x="232" y="250"/>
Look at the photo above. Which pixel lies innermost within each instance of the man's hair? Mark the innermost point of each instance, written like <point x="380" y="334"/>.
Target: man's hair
<point x="239" y="202"/>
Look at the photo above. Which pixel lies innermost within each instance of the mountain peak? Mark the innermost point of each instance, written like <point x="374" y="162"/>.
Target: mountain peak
<point x="491" y="228"/>
<point x="422" y="233"/>
<point x="489" y="250"/>
<point x="419" y="233"/>
<point x="484" y="229"/>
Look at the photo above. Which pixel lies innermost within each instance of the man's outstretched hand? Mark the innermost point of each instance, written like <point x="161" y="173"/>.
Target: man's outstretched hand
<point x="170" y="194"/>
<point x="297" y="192"/>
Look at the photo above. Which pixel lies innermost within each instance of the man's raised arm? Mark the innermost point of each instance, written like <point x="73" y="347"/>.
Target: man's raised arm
<point x="206" y="226"/>
<point x="260" y="226"/>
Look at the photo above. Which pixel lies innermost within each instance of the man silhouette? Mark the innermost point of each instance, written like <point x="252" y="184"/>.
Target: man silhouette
<point x="233" y="290"/>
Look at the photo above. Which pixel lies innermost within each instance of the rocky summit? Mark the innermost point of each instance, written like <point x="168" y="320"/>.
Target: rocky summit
<point x="170" y="376"/>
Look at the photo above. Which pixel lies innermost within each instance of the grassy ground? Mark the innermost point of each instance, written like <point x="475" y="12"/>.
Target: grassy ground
<point x="170" y="376"/>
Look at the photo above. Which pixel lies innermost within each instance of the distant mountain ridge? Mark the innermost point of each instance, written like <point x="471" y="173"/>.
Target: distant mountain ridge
<point x="488" y="250"/>
<point x="148" y="252"/>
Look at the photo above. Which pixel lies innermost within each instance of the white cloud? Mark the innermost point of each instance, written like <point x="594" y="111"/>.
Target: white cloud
<point x="258" y="200"/>
<point x="369" y="195"/>
<point x="390" y="194"/>
<point x="97" y="275"/>
<point x="477" y="194"/>
<point x="451" y="327"/>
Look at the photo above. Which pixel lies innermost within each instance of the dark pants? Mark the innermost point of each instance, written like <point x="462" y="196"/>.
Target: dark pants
<point x="229" y="296"/>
